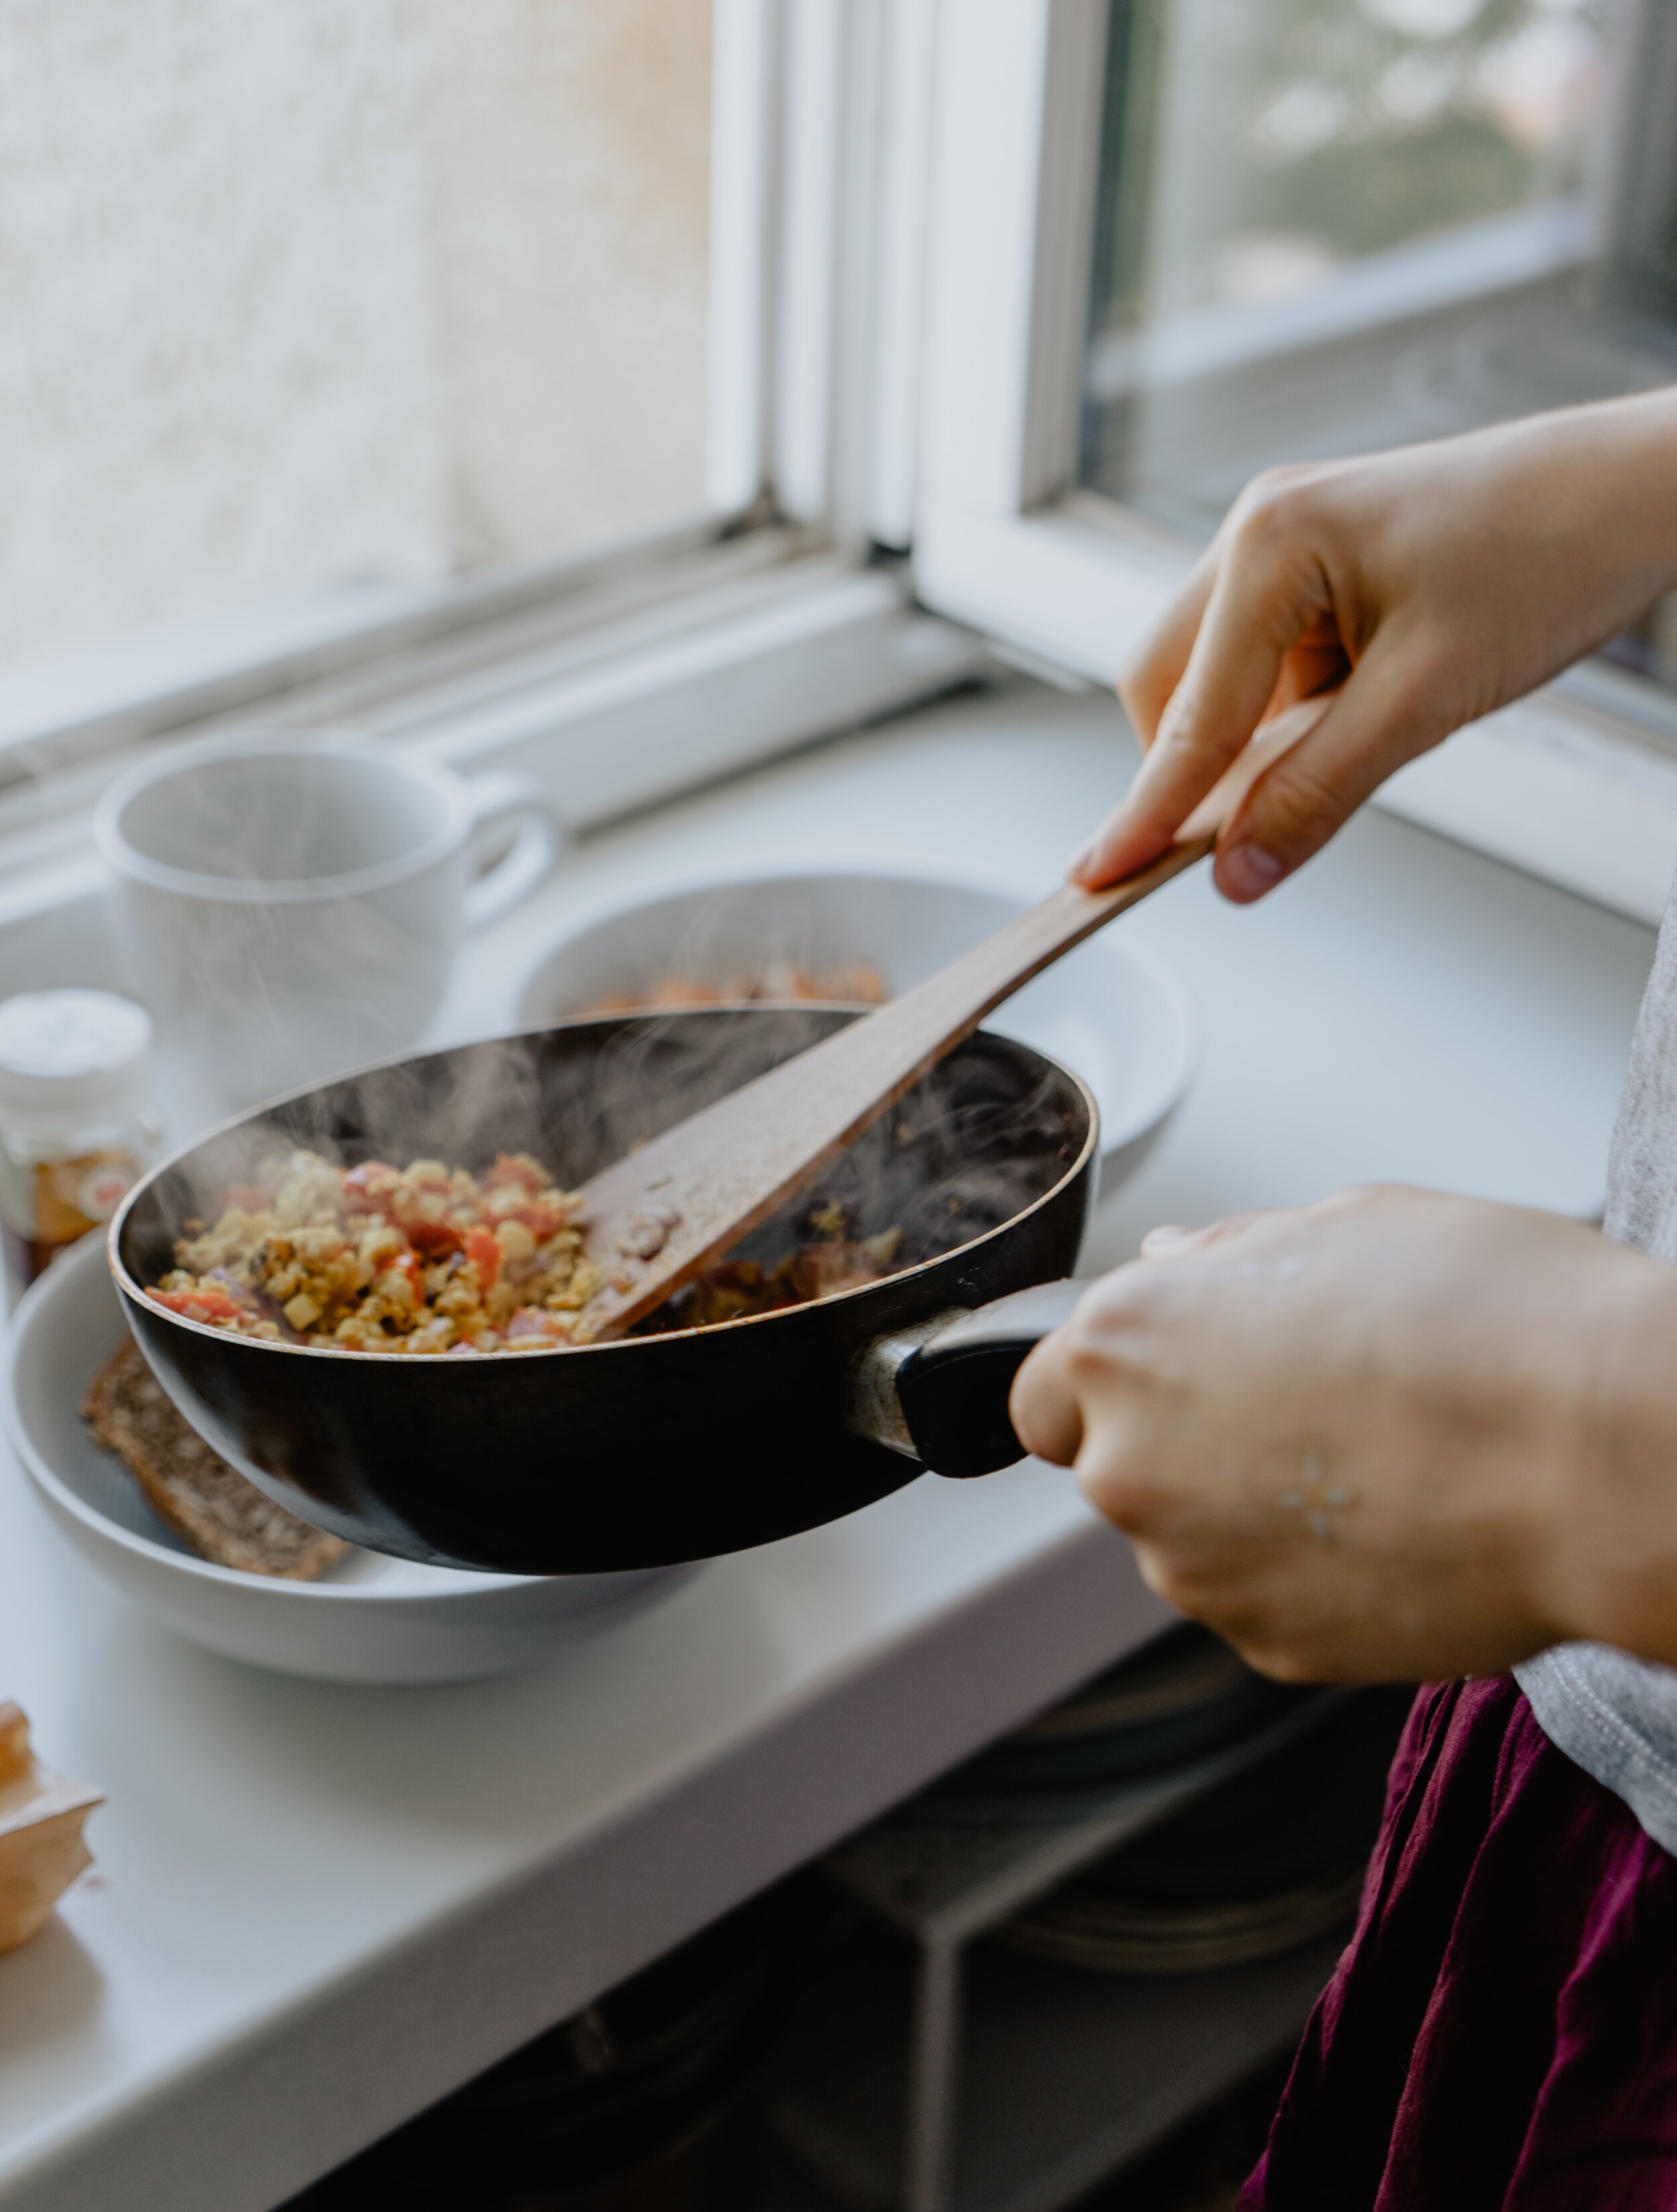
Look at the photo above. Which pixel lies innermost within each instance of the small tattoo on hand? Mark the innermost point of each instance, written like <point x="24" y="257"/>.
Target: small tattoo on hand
<point x="1316" y="1500"/>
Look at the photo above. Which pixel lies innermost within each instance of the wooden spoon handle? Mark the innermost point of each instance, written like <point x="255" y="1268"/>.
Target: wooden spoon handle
<point x="655" y="1217"/>
<point x="658" y="1216"/>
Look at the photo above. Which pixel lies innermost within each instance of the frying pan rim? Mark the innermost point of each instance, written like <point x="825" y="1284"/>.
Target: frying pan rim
<point x="136" y="1295"/>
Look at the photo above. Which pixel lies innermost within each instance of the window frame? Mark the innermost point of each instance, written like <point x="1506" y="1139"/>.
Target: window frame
<point x="902" y="201"/>
<point x="72" y="706"/>
<point x="637" y="667"/>
<point x="1579" y="784"/>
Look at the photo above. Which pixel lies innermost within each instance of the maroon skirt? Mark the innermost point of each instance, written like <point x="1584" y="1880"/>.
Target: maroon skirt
<point x="1501" y="2034"/>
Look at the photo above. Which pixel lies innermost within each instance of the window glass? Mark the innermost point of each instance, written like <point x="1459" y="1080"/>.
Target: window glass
<point x="302" y="291"/>
<point x="1326" y="225"/>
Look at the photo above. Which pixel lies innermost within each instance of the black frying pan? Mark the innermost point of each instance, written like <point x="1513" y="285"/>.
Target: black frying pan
<point x="660" y="1448"/>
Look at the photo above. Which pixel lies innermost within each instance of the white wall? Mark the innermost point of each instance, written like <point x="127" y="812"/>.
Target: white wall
<point x="292" y="289"/>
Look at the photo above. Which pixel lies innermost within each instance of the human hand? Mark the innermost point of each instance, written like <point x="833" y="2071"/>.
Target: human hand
<point x="1414" y="591"/>
<point x="1392" y="1436"/>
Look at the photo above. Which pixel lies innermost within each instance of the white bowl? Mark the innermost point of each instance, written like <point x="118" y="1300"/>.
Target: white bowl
<point x="1112" y="1010"/>
<point x="368" y="1620"/>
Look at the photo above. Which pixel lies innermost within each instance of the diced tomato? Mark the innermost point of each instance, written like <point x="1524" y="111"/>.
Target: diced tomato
<point x="200" y="1306"/>
<point x="509" y="1169"/>
<point x="484" y="1254"/>
<point x="540" y="1220"/>
<point x="368" y="1187"/>
<point x="410" y="1268"/>
<point x="435" y="1239"/>
<point x="531" y="1321"/>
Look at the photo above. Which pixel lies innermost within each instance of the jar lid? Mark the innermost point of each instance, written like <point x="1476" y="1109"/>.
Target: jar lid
<point x="67" y="1053"/>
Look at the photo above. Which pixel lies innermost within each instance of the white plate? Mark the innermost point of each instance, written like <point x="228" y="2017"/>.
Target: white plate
<point x="1113" y="1010"/>
<point x="368" y="1620"/>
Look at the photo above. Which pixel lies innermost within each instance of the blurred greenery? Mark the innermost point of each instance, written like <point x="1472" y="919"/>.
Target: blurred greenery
<point x="1336" y="127"/>
<point x="1358" y="196"/>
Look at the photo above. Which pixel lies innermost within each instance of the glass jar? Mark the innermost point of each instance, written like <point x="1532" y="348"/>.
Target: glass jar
<point x="77" y="1127"/>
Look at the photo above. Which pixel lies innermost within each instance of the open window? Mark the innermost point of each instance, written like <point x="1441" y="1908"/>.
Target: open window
<point x="399" y="375"/>
<point x="481" y="377"/>
<point x="1172" y="242"/>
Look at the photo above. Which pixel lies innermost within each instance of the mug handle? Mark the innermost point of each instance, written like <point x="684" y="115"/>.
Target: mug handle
<point x="529" y="861"/>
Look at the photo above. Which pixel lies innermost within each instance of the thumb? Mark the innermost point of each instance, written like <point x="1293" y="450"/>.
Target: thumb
<point x="1378" y="721"/>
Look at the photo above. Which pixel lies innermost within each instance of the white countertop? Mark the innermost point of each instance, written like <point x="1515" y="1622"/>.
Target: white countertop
<point x="316" y="1909"/>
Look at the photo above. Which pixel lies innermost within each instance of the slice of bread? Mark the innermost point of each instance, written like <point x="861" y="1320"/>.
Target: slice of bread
<point x="224" y="1518"/>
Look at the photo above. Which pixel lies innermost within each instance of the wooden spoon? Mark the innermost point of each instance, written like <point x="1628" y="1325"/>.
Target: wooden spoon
<point x="658" y="1216"/>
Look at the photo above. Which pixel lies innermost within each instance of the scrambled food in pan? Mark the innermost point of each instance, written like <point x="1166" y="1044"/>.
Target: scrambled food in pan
<point x="431" y="1259"/>
<point x="424" y="1258"/>
<point x="832" y="1259"/>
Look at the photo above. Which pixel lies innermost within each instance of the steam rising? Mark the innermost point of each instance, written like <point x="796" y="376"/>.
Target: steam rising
<point x="286" y="919"/>
<point x="259" y="991"/>
<point x="978" y="1139"/>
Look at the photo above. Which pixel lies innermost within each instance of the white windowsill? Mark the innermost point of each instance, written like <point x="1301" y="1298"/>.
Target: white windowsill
<point x="318" y="1908"/>
<point x="618" y="686"/>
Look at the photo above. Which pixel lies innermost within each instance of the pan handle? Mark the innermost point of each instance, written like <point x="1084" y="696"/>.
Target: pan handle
<point x="937" y="1393"/>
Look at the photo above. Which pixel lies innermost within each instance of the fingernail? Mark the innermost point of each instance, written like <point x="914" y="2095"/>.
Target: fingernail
<point x="1247" y="872"/>
<point x="1080" y="859"/>
<point x="1158" y="1244"/>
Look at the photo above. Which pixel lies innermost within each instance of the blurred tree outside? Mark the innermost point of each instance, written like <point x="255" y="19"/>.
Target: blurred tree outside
<point x="1255" y="145"/>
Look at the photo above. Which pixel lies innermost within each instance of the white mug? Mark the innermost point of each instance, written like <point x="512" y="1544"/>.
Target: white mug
<point x="290" y="906"/>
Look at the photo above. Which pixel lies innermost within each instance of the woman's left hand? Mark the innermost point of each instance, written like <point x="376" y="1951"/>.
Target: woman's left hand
<point x="1391" y="1436"/>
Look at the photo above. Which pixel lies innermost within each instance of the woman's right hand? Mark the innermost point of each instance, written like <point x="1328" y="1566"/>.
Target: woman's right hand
<point x="1394" y="1436"/>
<point x="1418" y="589"/>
